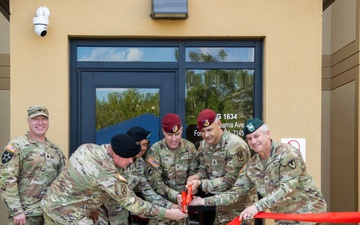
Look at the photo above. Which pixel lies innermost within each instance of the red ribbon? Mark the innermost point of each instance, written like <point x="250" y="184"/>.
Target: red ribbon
<point x="328" y="217"/>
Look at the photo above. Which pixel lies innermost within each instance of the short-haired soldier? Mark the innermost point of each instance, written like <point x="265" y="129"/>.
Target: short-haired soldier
<point x="90" y="178"/>
<point x="29" y="165"/>
<point x="278" y="172"/>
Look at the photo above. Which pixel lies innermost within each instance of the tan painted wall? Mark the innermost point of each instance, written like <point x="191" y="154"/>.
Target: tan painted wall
<point x="292" y="55"/>
<point x="343" y="26"/>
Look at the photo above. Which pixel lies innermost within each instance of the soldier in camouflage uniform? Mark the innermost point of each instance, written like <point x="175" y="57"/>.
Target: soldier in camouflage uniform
<point x="90" y="178"/>
<point x="114" y="213"/>
<point x="169" y="162"/>
<point x="221" y="155"/>
<point x="279" y="173"/>
<point x="29" y="165"/>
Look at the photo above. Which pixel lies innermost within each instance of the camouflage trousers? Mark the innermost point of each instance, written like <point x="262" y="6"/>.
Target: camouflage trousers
<point x="30" y="220"/>
<point x="116" y="215"/>
<point x="84" y="221"/>
<point x="224" y="214"/>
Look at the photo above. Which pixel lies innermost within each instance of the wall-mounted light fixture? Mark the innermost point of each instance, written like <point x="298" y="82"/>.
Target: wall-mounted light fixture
<point x="169" y="9"/>
<point x="41" y="21"/>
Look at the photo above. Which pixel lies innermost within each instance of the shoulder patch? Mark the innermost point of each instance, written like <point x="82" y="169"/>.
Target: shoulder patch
<point x="121" y="178"/>
<point x="150" y="171"/>
<point x="6" y="156"/>
<point x="152" y="161"/>
<point x="11" y="148"/>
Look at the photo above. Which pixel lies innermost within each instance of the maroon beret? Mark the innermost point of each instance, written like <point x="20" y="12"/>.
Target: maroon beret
<point x="171" y="123"/>
<point x="205" y="118"/>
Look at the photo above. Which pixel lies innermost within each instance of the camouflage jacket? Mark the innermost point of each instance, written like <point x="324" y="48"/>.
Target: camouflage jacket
<point x="219" y="165"/>
<point x="27" y="170"/>
<point x="167" y="170"/>
<point x="284" y="183"/>
<point x="135" y="176"/>
<point x="88" y="180"/>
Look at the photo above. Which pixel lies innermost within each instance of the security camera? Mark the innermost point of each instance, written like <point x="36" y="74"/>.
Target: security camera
<point x="41" y="21"/>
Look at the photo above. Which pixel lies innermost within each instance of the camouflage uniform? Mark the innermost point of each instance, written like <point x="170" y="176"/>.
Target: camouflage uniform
<point x="135" y="175"/>
<point x="28" y="168"/>
<point x="167" y="170"/>
<point x="283" y="182"/>
<point x="218" y="169"/>
<point x="88" y="180"/>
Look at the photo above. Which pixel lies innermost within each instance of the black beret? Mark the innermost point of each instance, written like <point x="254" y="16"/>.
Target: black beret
<point x="138" y="133"/>
<point x="124" y="146"/>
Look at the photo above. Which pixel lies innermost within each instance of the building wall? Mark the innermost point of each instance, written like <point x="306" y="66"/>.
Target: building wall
<point x="326" y="99"/>
<point x="4" y="93"/>
<point x="4" y="53"/>
<point x="292" y="56"/>
<point x="340" y="127"/>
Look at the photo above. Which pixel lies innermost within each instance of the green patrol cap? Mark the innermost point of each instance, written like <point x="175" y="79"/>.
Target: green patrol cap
<point x="252" y="125"/>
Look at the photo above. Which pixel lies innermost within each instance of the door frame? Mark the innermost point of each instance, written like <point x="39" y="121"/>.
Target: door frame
<point x="79" y="67"/>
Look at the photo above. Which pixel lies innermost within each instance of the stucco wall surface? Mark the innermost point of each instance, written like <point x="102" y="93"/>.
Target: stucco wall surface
<point x="292" y="55"/>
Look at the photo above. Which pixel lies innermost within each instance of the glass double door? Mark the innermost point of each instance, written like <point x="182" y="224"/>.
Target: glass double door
<point x="112" y="102"/>
<point x="117" y="84"/>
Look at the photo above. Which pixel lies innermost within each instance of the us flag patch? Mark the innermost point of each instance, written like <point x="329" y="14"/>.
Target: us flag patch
<point x="11" y="148"/>
<point x="152" y="161"/>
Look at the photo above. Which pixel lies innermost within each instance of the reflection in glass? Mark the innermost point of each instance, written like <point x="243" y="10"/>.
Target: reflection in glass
<point x="230" y="93"/>
<point x="128" y="54"/>
<point x="119" y="109"/>
<point x="214" y="54"/>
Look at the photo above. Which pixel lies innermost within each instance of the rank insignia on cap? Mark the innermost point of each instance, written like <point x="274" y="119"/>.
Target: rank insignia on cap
<point x="175" y="129"/>
<point x="152" y="161"/>
<point x="250" y="127"/>
<point x="6" y="156"/>
<point x="206" y="123"/>
<point x="11" y="148"/>
<point x="121" y="178"/>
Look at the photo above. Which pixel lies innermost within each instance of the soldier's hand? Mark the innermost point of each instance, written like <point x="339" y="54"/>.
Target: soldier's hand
<point x="179" y="199"/>
<point x="94" y="216"/>
<point x="174" y="214"/>
<point x="191" y="178"/>
<point x="197" y="201"/>
<point x="195" y="185"/>
<point x="175" y="206"/>
<point x="19" y="219"/>
<point x="248" y="213"/>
